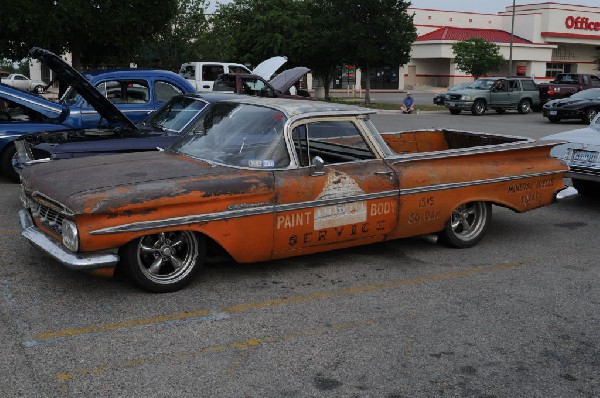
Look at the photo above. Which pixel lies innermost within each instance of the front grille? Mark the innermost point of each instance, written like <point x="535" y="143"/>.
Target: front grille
<point x="590" y="171"/>
<point x="455" y="97"/>
<point x="47" y="217"/>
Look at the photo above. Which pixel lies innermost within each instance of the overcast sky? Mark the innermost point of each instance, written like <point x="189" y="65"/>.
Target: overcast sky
<point x="489" y="6"/>
<point x="483" y="6"/>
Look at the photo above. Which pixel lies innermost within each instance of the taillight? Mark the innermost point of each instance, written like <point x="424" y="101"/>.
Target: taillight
<point x="580" y="87"/>
<point x="551" y="91"/>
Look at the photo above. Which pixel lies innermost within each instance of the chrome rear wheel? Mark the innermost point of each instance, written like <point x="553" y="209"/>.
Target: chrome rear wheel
<point x="467" y="224"/>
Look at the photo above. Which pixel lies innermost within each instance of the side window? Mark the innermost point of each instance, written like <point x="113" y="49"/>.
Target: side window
<point x="210" y="72"/>
<point x="595" y="81"/>
<point x="165" y="91"/>
<point x="188" y="72"/>
<point x="529" y="85"/>
<point x="586" y="80"/>
<point x="333" y="141"/>
<point x="236" y="69"/>
<point x="513" y="85"/>
<point x="20" y="78"/>
<point x="125" y="91"/>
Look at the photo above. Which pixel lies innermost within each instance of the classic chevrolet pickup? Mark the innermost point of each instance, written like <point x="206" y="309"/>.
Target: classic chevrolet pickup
<point x="263" y="179"/>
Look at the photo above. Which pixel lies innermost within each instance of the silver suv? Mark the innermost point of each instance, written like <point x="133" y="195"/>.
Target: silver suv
<point x="495" y="93"/>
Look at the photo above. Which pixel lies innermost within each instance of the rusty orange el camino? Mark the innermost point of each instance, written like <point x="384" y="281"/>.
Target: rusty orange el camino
<point x="269" y="178"/>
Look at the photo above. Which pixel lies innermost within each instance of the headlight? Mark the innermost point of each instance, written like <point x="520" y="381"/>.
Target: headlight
<point x="466" y="98"/>
<point x="70" y="235"/>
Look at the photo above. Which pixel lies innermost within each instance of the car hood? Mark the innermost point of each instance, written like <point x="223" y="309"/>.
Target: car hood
<point x="49" y="109"/>
<point x="286" y="79"/>
<point x="267" y="68"/>
<point x="70" y="76"/>
<point x="567" y="102"/>
<point x="588" y="136"/>
<point x="104" y="184"/>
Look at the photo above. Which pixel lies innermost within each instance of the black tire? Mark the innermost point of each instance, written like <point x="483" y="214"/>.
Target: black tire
<point x="554" y="119"/>
<point x="590" y="114"/>
<point x="524" y="106"/>
<point x="467" y="225"/>
<point x="455" y="111"/>
<point x="38" y="89"/>
<point x="499" y="110"/>
<point x="586" y="188"/>
<point x="478" y="107"/>
<point x="164" y="262"/>
<point x="6" y="167"/>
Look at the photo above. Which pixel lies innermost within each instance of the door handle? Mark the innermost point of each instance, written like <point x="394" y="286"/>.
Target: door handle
<point x="390" y="174"/>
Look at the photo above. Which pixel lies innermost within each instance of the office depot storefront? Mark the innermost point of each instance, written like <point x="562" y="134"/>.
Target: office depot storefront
<point x="549" y="38"/>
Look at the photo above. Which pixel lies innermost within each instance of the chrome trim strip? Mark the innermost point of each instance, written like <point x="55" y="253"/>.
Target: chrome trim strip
<point x="76" y="261"/>
<point x="42" y="105"/>
<point x="228" y="214"/>
<point x="476" y="150"/>
<point x="441" y="187"/>
<point x="224" y="215"/>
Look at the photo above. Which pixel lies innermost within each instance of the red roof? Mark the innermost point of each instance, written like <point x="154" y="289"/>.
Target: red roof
<point x="459" y="34"/>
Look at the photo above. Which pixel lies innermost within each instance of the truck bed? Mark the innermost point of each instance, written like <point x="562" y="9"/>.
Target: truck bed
<point x="436" y="140"/>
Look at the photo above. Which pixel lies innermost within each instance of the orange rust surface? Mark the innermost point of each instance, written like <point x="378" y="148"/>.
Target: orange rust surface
<point x="312" y="213"/>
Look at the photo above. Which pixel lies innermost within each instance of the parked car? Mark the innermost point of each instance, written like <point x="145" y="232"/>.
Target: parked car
<point x="24" y="83"/>
<point x="202" y="75"/>
<point x="581" y="151"/>
<point x="268" y="178"/>
<point x="499" y="94"/>
<point x="438" y="98"/>
<point x="583" y="105"/>
<point x="566" y="84"/>
<point x="250" y="84"/>
<point x="158" y="131"/>
<point x="90" y="102"/>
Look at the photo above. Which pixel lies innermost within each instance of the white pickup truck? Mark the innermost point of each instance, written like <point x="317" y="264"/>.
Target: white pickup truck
<point x="202" y="75"/>
<point x="24" y="83"/>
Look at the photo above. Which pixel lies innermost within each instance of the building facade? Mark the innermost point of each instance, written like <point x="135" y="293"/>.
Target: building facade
<point x="549" y="38"/>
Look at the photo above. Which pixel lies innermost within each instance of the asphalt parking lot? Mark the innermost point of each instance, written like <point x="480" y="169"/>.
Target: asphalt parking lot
<point x="516" y="316"/>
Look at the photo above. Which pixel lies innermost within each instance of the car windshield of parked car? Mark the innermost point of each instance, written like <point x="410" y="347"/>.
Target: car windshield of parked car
<point x="482" y="84"/>
<point x="460" y="86"/>
<point x="239" y="135"/>
<point x="587" y="94"/>
<point x="176" y="115"/>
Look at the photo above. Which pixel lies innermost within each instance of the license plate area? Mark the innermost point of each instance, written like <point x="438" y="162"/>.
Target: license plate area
<point x="451" y="103"/>
<point x="552" y="113"/>
<point x="584" y="156"/>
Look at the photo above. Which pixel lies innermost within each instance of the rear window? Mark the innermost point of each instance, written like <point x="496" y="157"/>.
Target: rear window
<point x="528" y="85"/>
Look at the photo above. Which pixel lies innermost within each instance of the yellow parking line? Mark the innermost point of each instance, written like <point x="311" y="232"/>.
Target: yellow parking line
<point x="242" y="345"/>
<point x="276" y="302"/>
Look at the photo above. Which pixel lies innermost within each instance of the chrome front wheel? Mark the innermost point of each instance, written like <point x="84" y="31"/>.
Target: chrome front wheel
<point x="467" y="224"/>
<point x="164" y="262"/>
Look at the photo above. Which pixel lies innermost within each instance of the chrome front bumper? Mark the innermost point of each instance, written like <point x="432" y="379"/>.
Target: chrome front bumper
<point x="76" y="261"/>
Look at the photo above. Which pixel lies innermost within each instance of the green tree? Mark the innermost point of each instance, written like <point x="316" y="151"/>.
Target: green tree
<point x="180" y="42"/>
<point x="375" y="33"/>
<point x="477" y="56"/>
<point x="95" y="31"/>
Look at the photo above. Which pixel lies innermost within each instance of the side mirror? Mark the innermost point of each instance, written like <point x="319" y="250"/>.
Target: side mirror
<point x="318" y="165"/>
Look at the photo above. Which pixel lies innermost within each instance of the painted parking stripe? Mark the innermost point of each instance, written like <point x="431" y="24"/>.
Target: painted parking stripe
<point x="240" y="345"/>
<point x="244" y="307"/>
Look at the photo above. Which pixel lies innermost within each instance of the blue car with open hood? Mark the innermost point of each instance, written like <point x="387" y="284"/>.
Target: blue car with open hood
<point x="96" y="100"/>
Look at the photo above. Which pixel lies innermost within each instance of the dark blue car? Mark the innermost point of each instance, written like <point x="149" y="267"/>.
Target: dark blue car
<point x="96" y="100"/>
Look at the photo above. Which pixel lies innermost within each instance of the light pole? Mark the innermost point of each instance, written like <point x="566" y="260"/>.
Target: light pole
<point x="512" y="29"/>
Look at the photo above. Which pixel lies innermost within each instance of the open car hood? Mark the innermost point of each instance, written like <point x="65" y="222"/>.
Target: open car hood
<point x="49" y="109"/>
<point x="286" y="79"/>
<point x="70" y="76"/>
<point x="267" y="68"/>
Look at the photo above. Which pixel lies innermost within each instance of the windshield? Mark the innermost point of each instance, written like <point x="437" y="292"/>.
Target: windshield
<point x="587" y="94"/>
<point x="176" y="114"/>
<point x="238" y="135"/>
<point x="482" y="84"/>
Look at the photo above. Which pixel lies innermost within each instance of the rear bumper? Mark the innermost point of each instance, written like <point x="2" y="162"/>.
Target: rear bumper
<point x="76" y="261"/>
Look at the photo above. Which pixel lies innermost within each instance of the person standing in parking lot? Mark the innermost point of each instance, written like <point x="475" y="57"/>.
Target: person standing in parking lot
<point x="408" y="104"/>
